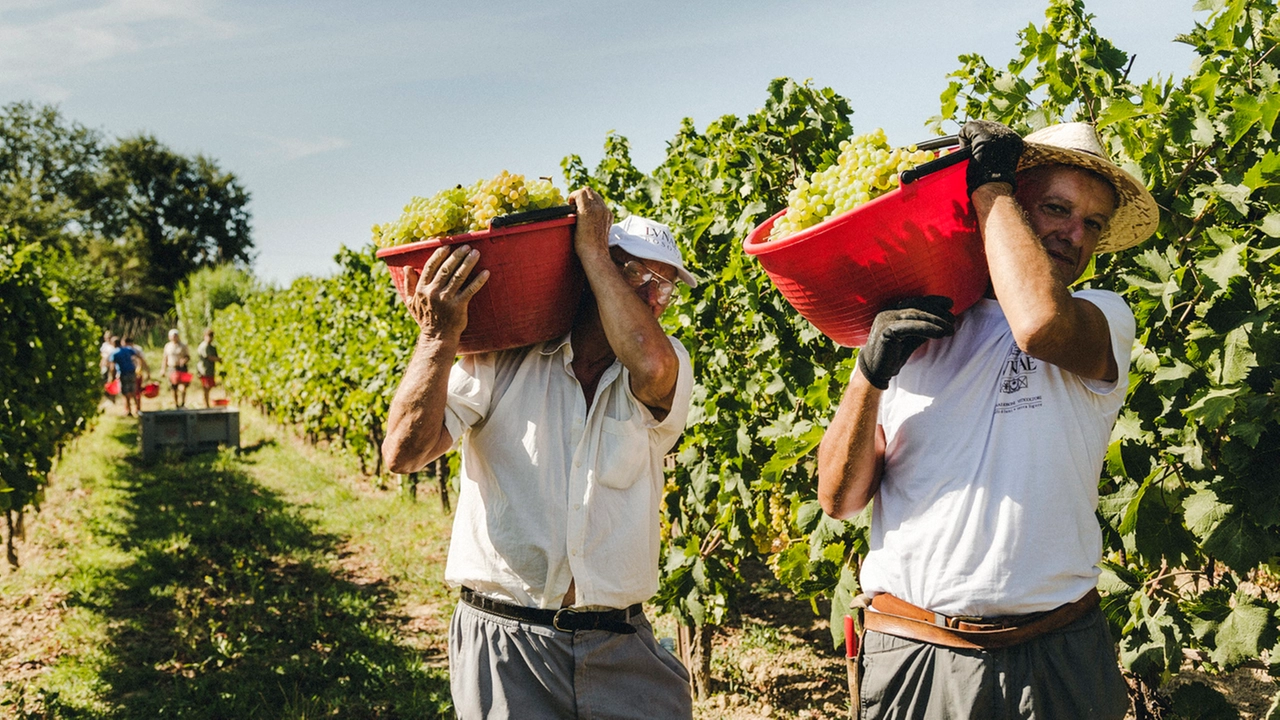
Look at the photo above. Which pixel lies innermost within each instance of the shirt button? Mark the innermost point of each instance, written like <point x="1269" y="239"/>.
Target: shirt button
<point x="577" y="506"/>
<point x="574" y="552"/>
<point x="577" y="462"/>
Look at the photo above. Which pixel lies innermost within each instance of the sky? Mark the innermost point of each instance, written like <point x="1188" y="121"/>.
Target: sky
<point x="334" y="114"/>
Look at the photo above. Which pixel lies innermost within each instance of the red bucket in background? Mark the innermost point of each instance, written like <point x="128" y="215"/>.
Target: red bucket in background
<point x="920" y="239"/>
<point x="534" y="287"/>
<point x="177" y="377"/>
<point x="151" y="390"/>
<point x="112" y="388"/>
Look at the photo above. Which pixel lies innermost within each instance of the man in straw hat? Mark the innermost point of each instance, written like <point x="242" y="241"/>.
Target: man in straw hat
<point x="555" y="542"/>
<point x="981" y="438"/>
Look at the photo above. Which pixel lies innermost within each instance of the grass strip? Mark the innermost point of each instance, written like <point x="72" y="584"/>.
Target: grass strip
<point x="265" y="582"/>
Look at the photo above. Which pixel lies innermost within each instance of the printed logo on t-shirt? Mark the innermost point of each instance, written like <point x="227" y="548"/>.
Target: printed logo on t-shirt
<point x="1015" y="377"/>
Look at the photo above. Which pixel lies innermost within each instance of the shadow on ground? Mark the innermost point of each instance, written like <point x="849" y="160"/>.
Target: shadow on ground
<point x="233" y="608"/>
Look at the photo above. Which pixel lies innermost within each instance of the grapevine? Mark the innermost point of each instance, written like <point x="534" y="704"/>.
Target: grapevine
<point x="49" y="392"/>
<point x="1188" y="508"/>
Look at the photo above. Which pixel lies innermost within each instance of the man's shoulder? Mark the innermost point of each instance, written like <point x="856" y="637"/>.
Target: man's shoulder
<point x="1108" y="300"/>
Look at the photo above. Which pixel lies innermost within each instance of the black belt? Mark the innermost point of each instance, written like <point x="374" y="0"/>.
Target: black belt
<point x="565" y="619"/>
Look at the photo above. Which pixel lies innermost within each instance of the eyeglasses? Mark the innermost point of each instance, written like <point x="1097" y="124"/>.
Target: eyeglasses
<point x="637" y="274"/>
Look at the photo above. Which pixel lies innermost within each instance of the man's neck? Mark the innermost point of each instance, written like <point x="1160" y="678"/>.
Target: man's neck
<point x="592" y="353"/>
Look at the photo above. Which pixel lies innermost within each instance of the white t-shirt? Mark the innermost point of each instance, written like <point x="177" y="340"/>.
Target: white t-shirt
<point x="552" y="491"/>
<point x="176" y="355"/>
<point x="990" y="486"/>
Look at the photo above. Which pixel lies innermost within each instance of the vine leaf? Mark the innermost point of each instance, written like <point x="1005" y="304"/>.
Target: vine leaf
<point x="1244" y="633"/>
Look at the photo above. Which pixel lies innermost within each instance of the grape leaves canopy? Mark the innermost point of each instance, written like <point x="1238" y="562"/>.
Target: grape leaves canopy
<point x="1189" y="508"/>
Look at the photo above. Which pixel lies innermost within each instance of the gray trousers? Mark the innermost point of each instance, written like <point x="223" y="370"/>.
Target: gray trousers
<point x="503" y="668"/>
<point x="1069" y="674"/>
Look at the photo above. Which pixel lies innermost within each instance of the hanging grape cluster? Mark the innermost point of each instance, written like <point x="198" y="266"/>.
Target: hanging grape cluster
<point x="866" y="168"/>
<point x="467" y="209"/>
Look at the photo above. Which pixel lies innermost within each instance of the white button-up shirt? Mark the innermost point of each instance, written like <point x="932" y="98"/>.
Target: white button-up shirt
<point x="552" y="490"/>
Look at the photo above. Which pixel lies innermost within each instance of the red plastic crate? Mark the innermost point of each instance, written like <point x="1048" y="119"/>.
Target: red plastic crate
<point x="920" y="239"/>
<point x="534" y="288"/>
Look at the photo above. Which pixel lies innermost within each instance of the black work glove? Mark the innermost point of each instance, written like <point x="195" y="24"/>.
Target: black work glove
<point x="898" y="330"/>
<point x="995" y="149"/>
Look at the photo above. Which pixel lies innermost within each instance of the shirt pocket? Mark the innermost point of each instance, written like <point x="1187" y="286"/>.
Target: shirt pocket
<point x="624" y="453"/>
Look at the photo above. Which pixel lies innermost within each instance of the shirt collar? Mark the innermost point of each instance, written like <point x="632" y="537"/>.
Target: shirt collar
<point x="551" y="347"/>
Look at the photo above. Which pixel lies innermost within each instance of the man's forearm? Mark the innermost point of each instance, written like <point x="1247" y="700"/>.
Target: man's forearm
<point x="633" y="332"/>
<point x="851" y="454"/>
<point x="415" y="422"/>
<point x="1021" y="270"/>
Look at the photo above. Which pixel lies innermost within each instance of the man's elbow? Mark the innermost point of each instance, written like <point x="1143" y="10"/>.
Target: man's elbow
<point x="396" y="461"/>
<point x="406" y="454"/>
<point x="658" y="373"/>
<point x="398" y="458"/>
<point x="841" y="505"/>
<point x="837" y="496"/>
<point x="1041" y="333"/>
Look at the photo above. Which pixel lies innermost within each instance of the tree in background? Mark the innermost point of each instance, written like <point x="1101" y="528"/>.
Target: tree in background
<point x="48" y="169"/>
<point x="166" y="216"/>
<point x="121" y="223"/>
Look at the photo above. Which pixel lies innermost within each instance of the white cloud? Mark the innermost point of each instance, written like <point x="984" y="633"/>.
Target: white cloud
<point x="293" y="148"/>
<point x="42" y="43"/>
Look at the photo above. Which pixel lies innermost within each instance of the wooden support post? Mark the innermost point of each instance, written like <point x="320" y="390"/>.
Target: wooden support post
<point x="694" y="645"/>
<point x="442" y="477"/>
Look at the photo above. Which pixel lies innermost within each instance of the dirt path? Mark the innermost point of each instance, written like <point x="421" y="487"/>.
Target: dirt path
<point x="241" y="584"/>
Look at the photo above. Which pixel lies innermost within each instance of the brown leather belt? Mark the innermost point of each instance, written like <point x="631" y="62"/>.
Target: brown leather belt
<point x="565" y="619"/>
<point x="893" y="616"/>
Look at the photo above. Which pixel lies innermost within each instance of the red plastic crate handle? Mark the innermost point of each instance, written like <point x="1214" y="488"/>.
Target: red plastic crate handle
<point x="909" y="176"/>
<point x="550" y="213"/>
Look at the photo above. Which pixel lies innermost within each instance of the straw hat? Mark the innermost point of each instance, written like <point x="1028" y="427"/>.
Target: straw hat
<point x="1076" y="143"/>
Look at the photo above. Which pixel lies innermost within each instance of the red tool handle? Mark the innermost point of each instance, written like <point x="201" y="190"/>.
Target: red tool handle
<point x="850" y="639"/>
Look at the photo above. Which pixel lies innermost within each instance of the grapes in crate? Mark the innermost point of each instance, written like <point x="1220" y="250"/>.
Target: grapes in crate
<point x="467" y="209"/>
<point x="866" y="168"/>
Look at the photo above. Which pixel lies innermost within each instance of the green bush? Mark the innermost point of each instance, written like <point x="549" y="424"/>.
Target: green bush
<point x="206" y="291"/>
<point x="49" y="388"/>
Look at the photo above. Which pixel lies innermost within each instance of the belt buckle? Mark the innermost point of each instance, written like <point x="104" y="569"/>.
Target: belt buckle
<point x="555" y="619"/>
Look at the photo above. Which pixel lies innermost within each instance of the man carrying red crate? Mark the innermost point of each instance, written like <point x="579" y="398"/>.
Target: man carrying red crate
<point x="555" y="542"/>
<point x="981" y="439"/>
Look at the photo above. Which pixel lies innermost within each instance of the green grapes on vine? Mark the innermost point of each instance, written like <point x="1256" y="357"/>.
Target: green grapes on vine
<point x="467" y="209"/>
<point x="866" y="168"/>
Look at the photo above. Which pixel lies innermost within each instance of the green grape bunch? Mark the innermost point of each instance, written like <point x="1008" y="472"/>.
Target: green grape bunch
<point x="866" y="168"/>
<point x="467" y="209"/>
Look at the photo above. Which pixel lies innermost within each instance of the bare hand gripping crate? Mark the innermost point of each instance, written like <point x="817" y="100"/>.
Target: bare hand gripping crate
<point x="188" y="431"/>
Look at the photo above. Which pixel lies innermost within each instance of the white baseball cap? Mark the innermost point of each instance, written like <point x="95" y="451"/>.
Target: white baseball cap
<point x="650" y="240"/>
